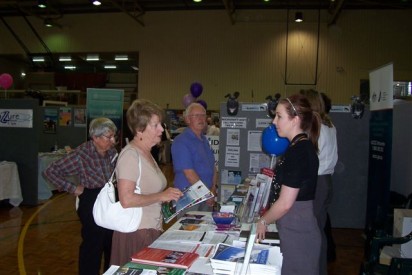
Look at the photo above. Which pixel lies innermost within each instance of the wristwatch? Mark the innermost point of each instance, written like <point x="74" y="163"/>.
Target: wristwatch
<point x="263" y="221"/>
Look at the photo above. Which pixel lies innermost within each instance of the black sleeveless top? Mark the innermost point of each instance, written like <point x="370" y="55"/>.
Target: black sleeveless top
<point x="299" y="168"/>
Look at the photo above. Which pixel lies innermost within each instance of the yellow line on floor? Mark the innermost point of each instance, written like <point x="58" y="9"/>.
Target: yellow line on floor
<point x="20" y="256"/>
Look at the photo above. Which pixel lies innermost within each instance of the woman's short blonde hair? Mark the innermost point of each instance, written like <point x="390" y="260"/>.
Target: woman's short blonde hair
<point x="139" y="114"/>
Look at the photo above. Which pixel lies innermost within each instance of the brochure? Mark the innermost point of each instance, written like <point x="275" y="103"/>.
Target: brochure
<point x="194" y="194"/>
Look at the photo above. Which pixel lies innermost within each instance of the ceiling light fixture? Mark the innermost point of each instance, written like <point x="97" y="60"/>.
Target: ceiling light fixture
<point x="96" y="2"/>
<point x="92" y="57"/>
<point x="65" y="58"/>
<point x="110" y="66"/>
<point x="42" y="4"/>
<point x="48" y="23"/>
<point x="298" y="17"/>
<point x="38" y="59"/>
<point x="197" y="1"/>
<point x="70" y="67"/>
<point x="120" y="57"/>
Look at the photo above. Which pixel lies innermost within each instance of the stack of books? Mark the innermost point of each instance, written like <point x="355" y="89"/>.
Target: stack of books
<point x="165" y="258"/>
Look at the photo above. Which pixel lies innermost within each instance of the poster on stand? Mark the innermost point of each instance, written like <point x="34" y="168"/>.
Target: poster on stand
<point x="381" y="88"/>
<point x="79" y="117"/>
<point x="50" y="120"/>
<point x="65" y="116"/>
<point x="380" y="144"/>
<point x="214" y="145"/>
<point x="106" y="103"/>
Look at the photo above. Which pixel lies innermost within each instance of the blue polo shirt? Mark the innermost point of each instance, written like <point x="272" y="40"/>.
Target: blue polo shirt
<point x="189" y="152"/>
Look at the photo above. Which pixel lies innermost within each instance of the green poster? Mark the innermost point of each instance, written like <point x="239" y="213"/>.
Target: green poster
<point x="106" y="103"/>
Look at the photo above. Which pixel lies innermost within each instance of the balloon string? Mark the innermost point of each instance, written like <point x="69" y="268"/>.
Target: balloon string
<point x="273" y="162"/>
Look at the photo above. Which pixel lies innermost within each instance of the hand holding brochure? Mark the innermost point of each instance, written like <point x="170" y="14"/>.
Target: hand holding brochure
<point x="194" y="194"/>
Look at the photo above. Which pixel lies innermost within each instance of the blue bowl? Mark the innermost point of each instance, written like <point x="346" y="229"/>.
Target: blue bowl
<point x="223" y="218"/>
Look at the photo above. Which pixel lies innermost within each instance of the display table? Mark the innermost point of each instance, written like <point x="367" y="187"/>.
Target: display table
<point x="200" y="237"/>
<point x="44" y="187"/>
<point x="10" y="183"/>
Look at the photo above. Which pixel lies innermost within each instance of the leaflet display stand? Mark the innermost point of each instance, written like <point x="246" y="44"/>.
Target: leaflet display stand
<point x="240" y="150"/>
<point x="249" y="248"/>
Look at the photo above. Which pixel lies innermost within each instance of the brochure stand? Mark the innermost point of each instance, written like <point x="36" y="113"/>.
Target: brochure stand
<point x="249" y="248"/>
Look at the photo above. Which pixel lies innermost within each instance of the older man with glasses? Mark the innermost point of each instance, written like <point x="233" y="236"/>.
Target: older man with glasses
<point x="92" y="163"/>
<point x="192" y="155"/>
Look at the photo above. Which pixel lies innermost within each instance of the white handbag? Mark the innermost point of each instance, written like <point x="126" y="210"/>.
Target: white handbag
<point x="110" y="214"/>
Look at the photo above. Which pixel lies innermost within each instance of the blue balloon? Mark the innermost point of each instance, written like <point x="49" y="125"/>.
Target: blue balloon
<point x="271" y="142"/>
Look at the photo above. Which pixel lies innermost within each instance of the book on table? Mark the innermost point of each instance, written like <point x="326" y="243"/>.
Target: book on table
<point x="131" y="268"/>
<point x="164" y="257"/>
<point x="231" y="260"/>
<point x="192" y="195"/>
<point x="252" y="259"/>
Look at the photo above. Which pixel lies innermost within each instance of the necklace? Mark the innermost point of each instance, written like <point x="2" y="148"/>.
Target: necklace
<point x="299" y="137"/>
<point x="145" y="154"/>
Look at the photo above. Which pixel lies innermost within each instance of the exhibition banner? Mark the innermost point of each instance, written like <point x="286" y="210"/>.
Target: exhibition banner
<point x="106" y="103"/>
<point x="380" y="145"/>
<point x="381" y="88"/>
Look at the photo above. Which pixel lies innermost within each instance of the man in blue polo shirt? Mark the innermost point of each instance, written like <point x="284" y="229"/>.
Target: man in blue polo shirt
<point x="192" y="155"/>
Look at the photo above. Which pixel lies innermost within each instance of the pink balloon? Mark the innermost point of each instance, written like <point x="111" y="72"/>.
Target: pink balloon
<point x="187" y="99"/>
<point x="6" y="80"/>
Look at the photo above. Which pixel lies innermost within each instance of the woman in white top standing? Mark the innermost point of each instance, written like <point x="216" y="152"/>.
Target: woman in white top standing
<point x="328" y="157"/>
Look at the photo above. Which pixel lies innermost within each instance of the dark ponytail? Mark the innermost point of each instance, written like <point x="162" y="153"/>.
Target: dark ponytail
<point x="298" y="105"/>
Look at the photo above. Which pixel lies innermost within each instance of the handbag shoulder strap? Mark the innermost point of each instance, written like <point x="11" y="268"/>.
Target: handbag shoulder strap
<point x="140" y="172"/>
<point x="140" y="169"/>
<point x="114" y="170"/>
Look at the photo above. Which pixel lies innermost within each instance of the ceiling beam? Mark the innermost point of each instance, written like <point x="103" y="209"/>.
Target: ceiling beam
<point x="19" y="41"/>
<point x="49" y="53"/>
<point x="134" y="14"/>
<point x="336" y="12"/>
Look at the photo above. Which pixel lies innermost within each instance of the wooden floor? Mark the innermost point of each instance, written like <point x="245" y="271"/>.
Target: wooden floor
<point x="45" y="239"/>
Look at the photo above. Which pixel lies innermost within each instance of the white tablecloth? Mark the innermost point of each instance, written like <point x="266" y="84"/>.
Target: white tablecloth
<point x="10" y="183"/>
<point x="44" y="187"/>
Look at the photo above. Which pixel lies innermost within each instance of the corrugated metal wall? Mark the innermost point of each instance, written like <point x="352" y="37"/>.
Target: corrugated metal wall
<point x="181" y="47"/>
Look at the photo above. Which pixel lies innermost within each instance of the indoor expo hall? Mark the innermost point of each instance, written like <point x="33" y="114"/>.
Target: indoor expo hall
<point x="44" y="239"/>
<point x="56" y="56"/>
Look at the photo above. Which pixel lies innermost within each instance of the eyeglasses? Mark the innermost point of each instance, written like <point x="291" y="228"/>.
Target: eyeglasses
<point x="112" y="138"/>
<point x="198" y="115"/>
